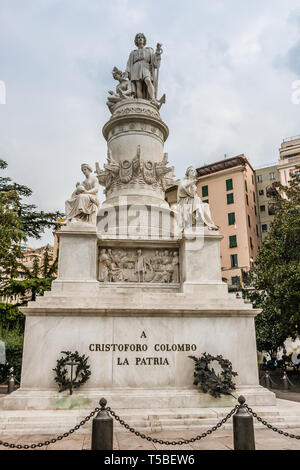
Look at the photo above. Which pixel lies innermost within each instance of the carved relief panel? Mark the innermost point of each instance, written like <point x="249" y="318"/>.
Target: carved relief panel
<point x="139" y="265"/>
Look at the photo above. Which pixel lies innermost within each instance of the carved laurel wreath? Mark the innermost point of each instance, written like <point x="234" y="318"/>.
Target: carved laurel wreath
<point x="209" y="381"/>
<point x="81" y="372"/>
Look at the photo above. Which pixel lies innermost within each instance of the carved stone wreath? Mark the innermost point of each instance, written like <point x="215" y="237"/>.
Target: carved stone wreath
<point x="81" y="370"/>
<point x="211" y="382"/>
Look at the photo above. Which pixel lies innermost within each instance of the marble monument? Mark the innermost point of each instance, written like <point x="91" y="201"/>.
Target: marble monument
<point x="139" y="284"/>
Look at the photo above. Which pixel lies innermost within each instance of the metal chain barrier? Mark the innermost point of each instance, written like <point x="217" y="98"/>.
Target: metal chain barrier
<point x="290" y="382"/>
<point x="267" y="377"/>
<point x="237" y="409"/>
<point x="269" y="426"/>
<point x="173" y="443"/>
<point x="52" y="441"/>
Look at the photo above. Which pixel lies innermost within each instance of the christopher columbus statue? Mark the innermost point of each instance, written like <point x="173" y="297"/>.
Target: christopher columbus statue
<point x="142" y="64"/>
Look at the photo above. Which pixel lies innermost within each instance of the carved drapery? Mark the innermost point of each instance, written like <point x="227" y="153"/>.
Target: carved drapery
<point x="136" y="171"/>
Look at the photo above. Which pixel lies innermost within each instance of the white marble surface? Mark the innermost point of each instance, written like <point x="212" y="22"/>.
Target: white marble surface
<point x="77" y="253"/>
<point x="201" y="258"/>
<point x="173" y="400"/>
<point x="46" y="337"/>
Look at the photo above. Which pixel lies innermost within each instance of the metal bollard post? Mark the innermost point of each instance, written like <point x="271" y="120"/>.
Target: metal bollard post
<point x="243" y="428"/>
<point x="267" y="379"/>
<point x="102" y="430"/>
<point x="285" y="381"/>
<point x="11" y="381"/>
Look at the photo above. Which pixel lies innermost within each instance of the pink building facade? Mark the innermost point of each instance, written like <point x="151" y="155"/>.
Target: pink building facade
<point x="229" y="187"/>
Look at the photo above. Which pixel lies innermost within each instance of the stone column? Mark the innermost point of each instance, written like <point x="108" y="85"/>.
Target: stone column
<point x="135" y="135"/>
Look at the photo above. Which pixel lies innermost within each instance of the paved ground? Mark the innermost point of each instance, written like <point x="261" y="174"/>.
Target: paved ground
<point x="292" y="396"/>
<point x="220" y="440"/>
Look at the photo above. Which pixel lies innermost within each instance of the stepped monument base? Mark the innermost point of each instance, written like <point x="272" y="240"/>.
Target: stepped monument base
<point x="139" y="286"/>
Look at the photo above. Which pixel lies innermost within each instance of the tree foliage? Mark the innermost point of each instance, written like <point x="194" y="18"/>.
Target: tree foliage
<point x="12" y="323"/>
<point x="34" y="280"/>
<point x="33" y="222"/>
<point x="18" y="221"/>
<point x="10" y="319"/>
<point x="276" y="276"/>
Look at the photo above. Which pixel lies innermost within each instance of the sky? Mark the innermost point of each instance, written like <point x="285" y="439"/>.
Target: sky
<point x="228" y="69"/>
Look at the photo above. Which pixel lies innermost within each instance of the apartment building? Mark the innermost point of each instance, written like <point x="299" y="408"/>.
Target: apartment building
<point x="265" y="179"/>
<point x="289" y="158"/>
<point x="230" y="189"/>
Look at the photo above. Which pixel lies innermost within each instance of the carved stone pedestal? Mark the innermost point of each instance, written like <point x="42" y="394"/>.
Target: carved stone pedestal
<point x="138" y="334"/>
<point x="135" y="294"/>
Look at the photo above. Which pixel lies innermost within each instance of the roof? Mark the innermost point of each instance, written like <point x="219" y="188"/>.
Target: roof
<point x="223" y="165"/>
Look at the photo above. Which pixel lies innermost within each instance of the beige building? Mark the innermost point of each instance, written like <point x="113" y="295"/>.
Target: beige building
<point x="171" y="193"/>
<point x="240" y="203"/>
<point x="55" y="236"/>
<point x="265" y="179"/>
<point x="30" y="254"/>
<point x="230" y="189"/>
<point x="289" y="158"/>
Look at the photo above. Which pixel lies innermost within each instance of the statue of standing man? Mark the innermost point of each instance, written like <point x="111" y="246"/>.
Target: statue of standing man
<point x="141" y="67"/>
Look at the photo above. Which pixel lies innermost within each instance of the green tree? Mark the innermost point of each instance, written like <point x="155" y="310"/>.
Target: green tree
<point x="18" y="221"/>
<point x="11" y="230"/>
<point x="11" y="319"/>
<point x="34" y="280"/>
<point x="276" y="276"/>
<point x="33" y="222"/>
<point x="47" y="258"/>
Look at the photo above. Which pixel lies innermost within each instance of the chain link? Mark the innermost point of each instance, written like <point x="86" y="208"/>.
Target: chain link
<point x="269" y="426"/>
<point x="173" y="443"/>
<point x="51" y="441"/>
<point x="146" y="437"/>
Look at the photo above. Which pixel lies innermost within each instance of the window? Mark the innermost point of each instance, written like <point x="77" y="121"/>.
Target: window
<point x="236" y="280"/>
<point x="249" y="221"/>
<point x="231" y="218"/>
<point x="246" y="186"/>
<point x="271" y="209"/>
<point x="259" y="179"/>
<point x="264" y="227"/>
<point x="234" y="261"/>
<point x="230" y="198"/>
<point x="272" y="176"/>
<point x="262" y="208"/>
<point x="251" y="244"/>
<point x="229" y="185"/>
<point x="247" y="200"/>
<point x="204" y="191"/>
<point x="255" y="210"/>
<point x="256" y="229"/>
<point x="254" y="198"/>
<point x="205" y="200"/>
<point x="252" y="179"/>
<point x="232" y="241"/>
<point x="261" y="192"/>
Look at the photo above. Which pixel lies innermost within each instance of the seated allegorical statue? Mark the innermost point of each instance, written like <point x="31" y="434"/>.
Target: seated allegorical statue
<point x="83" y="204"/>
<point x="189" y="204"/>
<point x="123" y="90"/>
